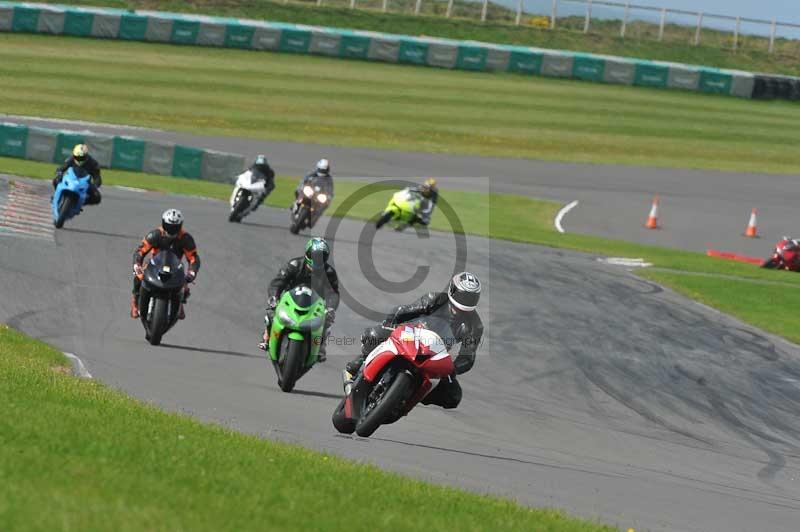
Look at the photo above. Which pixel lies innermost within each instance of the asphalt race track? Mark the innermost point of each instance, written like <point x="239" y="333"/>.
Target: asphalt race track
<point x="595" y="391"/>
<point x="699" y="209"/>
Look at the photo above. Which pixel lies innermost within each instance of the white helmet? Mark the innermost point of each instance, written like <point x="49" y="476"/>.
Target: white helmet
<point x="172" y="221"/>
<point x="464" y="291"/>
<point x="323" y="167"/>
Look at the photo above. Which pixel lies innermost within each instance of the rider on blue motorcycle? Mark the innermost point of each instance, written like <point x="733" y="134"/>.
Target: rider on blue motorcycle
<point x="80" y="158"/>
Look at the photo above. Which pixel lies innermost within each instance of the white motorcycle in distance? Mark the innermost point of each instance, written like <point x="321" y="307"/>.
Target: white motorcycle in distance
<point x="246" y="196"/>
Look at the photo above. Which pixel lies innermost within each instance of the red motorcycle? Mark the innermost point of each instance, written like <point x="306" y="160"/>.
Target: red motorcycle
<point x="785" y="257"/>
<point x="395" y="376"/>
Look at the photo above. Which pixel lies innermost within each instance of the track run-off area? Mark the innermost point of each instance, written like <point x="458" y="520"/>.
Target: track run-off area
<point x="595" y="391"/>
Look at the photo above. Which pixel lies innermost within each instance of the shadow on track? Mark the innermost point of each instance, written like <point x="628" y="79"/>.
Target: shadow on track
<point x="265" y="226"/>
<point x="324" y="395"/>
<point x="100" y="233"/>
<point x="212" y="351"/>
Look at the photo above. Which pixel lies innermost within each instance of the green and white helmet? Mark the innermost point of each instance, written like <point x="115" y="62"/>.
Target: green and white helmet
<point x="317" y="253"/>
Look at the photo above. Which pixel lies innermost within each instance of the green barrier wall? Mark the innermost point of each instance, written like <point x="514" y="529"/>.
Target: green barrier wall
<point x="120" y="152"/>
<point x="352" y="44"/>
<point x="78" y="24"/>
<point x="187" y="162"/>
<point x="127" y="154"/>
<point x="13" y="140"/>
<point x="132" y="27"/>
<point x="26" y="19"/>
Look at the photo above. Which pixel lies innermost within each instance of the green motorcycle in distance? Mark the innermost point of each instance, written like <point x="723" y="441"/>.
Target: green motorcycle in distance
<point x="296" y="334"/>
<point x="402" y="209"/>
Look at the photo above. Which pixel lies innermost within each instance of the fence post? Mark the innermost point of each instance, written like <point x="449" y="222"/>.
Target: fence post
<point x="699" y="27"/>
<point x="352" y="4"/>
<point x="449" y="8"/>
<point x="385" y="6"/>
<point x="519" y="13"/>
<point x="417" y="7"/>
<point x="319" y="2"/>
<point x="736" y="33"/>
<point x="772" y="36"/>
<point x="661" y="24"/>
<point x="588" y="17"/>
<point x="484" y="9"/>
<point x="625" y="20"/>
<point x="554" y="15"/>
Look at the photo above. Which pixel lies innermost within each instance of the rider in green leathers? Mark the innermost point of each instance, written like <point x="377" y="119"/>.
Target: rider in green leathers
<point x="311" y="269"/>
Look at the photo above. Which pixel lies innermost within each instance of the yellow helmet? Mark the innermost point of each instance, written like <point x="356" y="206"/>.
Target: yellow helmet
<point x="430" y="182"/>
<point x="80" y="152"/>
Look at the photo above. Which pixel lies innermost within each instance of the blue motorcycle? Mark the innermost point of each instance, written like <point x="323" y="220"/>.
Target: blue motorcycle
<point x="70" y="195"/>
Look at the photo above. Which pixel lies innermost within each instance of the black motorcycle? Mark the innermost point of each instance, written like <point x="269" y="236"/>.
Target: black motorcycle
<point x="309" y="206"/>
<point x="160" y="297"/>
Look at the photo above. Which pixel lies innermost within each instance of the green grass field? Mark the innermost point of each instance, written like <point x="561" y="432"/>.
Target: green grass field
<point x="76" y="455"/>
<point x="715" y="49"/>
<point x="741" y="290"/>
<point x="354" y="103"/>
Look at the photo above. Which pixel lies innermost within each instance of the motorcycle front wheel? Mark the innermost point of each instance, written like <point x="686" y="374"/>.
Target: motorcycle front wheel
<point x="64" y="207"/>
<point x="385" y="405"/>
<point x="159" y="321"/>
<point x="299" y="220"/>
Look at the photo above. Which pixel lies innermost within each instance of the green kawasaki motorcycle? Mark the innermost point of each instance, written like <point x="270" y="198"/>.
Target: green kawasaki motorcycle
<point x="402" y="209"/>
<point x="296" y="334"/>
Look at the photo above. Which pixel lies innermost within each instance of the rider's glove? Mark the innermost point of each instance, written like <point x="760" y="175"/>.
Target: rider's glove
<point x="190" y="277"/>
<point x="272" y="302"/>
<point x="138" y="271"/>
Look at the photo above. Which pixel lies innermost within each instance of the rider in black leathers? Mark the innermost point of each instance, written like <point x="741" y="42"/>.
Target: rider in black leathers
<point x="312" y="270"/>
<point x="263" y="172"/>
<point x="80" y="158"/>
<point x="455" y="307"/>
<point x="321" y="177"/>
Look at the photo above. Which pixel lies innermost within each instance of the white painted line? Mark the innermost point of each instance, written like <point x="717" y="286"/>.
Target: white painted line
<point x="77" y="367"/>
<point x="628" y="263"/>
<point x="131" y="189"/>
<point x="563" y="212"/>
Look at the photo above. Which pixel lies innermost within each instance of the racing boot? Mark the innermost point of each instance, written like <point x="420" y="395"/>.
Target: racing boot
<point x="134" y="307"/>
<point x="181" y="313"/>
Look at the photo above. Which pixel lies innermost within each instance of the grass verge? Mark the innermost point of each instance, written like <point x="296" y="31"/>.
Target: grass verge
<point x="95" y="459"/>
<point x="640" y="41"/>
<point x="731" y="287"/>
<point x="359" y="103"/>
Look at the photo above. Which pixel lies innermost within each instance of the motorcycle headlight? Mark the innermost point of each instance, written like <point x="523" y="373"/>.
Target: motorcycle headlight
<point x="322" y="198"/>
<point x="285" y="318"/>
<point x="308" y="191"/>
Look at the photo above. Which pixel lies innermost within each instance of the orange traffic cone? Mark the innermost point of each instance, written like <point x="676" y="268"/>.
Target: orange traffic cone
<point x="752" y="229"/>
<point x="652" y="220"/>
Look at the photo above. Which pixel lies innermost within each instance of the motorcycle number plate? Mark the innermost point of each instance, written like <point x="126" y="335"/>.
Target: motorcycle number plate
<point x="166" y="269"/>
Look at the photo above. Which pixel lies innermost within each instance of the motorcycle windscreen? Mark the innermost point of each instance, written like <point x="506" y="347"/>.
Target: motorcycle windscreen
<point x="165" y="271"/>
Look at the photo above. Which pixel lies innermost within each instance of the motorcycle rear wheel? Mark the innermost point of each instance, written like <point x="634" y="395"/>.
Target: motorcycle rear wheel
<point x="386" y="405"/>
